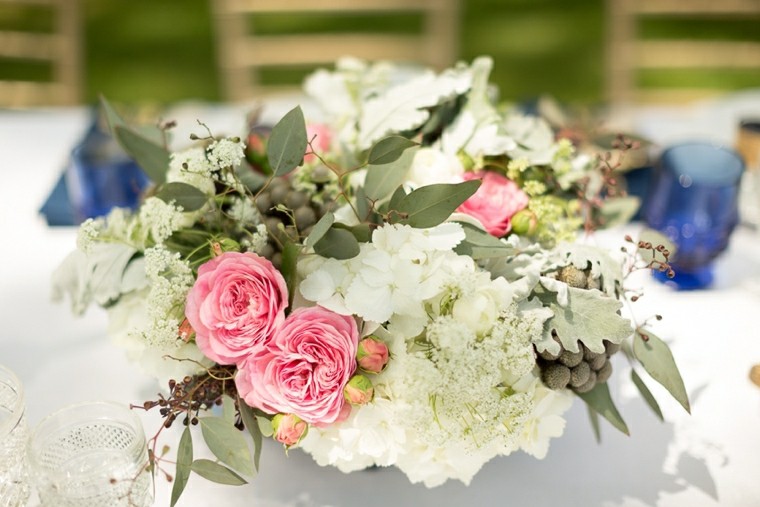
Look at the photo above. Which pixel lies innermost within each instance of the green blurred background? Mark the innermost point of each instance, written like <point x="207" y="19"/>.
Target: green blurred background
<point x="163" y="50"/>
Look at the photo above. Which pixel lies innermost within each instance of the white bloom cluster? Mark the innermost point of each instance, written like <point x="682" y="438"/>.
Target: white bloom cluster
<point x="160" y="218"/>
<point x="226" y="153"/>
<point x="88" y="233"/>
<point x="256" y="241"/>
<point x="192" y="167"/>
<point x="461" y="387"/>
<point x="170" y="280"/>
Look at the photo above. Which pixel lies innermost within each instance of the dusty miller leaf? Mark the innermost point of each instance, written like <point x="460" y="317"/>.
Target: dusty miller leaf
<point x="107" y="262"/>
<point x="227" y="443"/>
<point x="431" y="205"/>
<point x="589" y="316"/>
<point x="600" y="401"/>
<point x="599" y="260"/>
<point x="406" y="106"/>
<point x="287" y="143"/>
<point x="184" y="461"/>
<point x="646" y="394"/>
<point x="215" y="472"/>
<point x="657" y="359"/>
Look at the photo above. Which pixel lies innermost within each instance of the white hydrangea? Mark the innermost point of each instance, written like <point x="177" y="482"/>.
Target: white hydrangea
<point x="160" y="218"/>
<point x="431" y="166"/>
<point x="226" y="153"/>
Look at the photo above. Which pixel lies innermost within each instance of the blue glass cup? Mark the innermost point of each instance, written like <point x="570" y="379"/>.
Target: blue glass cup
<point x="694" y="202"/>
<point x="101" y="176"/>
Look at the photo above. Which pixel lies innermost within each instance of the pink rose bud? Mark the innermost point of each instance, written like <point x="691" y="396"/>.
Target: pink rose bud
<point x="289" y="429"/>
<point x="320" y="137"/>
<point x="372" y="355"/>
<point x="359" y="390"/>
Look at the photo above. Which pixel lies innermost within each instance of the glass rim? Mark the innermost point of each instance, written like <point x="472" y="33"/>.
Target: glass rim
<point x="129" y="418"/>
<point x="17" y="407"/>
<point x="664" y="159"/>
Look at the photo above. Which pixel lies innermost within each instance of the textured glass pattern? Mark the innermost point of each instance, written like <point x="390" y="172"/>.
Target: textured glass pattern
<point x="14" y="484"/>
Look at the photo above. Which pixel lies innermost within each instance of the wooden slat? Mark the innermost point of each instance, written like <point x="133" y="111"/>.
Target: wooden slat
<point x="24" y="93"/>
<point x="272" y="6"/>
<point x="697" y="54"/>
<point x="697" y="7"/>
<point x="675" y="95"/>
<point x="289" y="50"/>
<point x="30" y="2"/>
<point x="34" y="46"/>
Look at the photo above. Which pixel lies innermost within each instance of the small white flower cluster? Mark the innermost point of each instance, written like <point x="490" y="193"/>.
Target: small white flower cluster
<point x="192" y="167"/>
<point x="162" y="219"/>
<point x="461" y="387"/>
<point x="225" y="153"/>
<point x="88" y="233"/>
<point x="170" y="280"/>
<point x="257" y="241"/>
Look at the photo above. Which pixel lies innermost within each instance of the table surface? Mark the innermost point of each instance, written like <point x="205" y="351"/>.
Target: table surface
<point x="707" y="459"/>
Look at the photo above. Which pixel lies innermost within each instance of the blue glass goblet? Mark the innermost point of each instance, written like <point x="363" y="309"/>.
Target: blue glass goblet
<point x="694" y="201"/>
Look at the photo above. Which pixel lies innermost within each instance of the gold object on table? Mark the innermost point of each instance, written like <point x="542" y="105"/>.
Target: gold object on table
<point x="754" y="375"/>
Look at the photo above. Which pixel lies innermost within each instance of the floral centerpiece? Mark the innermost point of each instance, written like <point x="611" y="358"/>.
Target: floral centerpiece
<point x="398" y="284"/>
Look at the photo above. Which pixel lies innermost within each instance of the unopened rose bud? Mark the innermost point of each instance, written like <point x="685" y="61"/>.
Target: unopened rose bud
<point x="524" y="223"/>
<point x="224" y="245"/>
<point x="359" y="390"/>
<point x="289" y="429"/>
<point x="186" y="331"/>
<point x="372" y="355"/>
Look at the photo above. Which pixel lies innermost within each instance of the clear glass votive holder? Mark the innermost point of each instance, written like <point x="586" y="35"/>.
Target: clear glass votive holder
<point x="14" y="479"/>
<point x="91" y="455"/>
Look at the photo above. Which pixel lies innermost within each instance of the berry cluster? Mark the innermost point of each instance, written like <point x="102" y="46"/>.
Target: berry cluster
<point x="288" y="214"/>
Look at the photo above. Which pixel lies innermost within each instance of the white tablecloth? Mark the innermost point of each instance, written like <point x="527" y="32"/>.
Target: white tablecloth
<point x="707" y="459"/>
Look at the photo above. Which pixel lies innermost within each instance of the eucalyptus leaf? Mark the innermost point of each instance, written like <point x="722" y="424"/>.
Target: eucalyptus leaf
<point x="383" y="179"/>
<point x="396" y="198"/>
<point x="389" y="149"/>
<point x="253" y="180"/>
<point x="217" y="473"/>
<point x="184" y="461"/>
<point x="337" y="244"/>
<point x="227" y="443"/>
<point x="478" y="244"/>
<point x="151" y="157"/>
<point x="431" y="205"/>
<point x="657" y="359"/>
<point x="655" y="238"/>
<point x="646" y="394"/>
<point x="619" y="210"/>
<point x="320" y="228"/>
<point x="593" y="418"/>
<point x="187" y="196"/>
<point x="290" y="253"/>
<point x="362" y="204"/>
<point x="600" y="401"/>
<point x="252" y="425"/>
<point x="287" y="143"/>
<point x="113" y="119"/>
<point x="228" y="409"/>
<point x="265" y="425"/>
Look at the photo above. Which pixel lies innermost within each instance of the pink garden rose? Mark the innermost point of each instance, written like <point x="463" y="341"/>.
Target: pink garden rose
<point x="495" y="202"/>
<point x="305" y="367"/>
<point x="235" y="306"/>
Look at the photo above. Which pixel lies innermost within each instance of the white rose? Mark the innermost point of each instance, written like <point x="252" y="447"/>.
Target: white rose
<point x="432" y="166"/>
<point x="480" y="310"/>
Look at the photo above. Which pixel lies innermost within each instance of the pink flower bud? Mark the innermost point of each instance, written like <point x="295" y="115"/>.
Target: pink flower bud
<point x="289" y="429"/>
<point x="359" y="390"/>
<point x="372" y="355"/>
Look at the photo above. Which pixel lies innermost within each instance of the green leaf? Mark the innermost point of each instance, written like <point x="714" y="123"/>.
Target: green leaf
<point x="287" y="143"/>
<point x="600" y="401"/>
<point x="337" y="244"/>
<point x="184" y="460"/>
<point x="362" y="204"/>
<point x="646" y="394"/>
<point x="478" y="244"/>
<point x="265" y="424"/>
<point x="290" y="253"/>
<point x="657" y="359"/>
<point x="228" y="409"/>
<point x="396" y="198"/>
<point x="187" y="196"/>
<point x="320" y="229"/>
<point x="252" y="425"/>
<point x="389" y="150"/>
<point x="151" y="157"/>
<point x="431" y="205"/>
<point x="588" y="316"/>
<point x="113" y="119"/>
<point x="382" y="179"/>
<point x="215" y="472"/>
<point x="227" y="443"/>
<point x="593" y="417"/>
<point x="655" y="238"/>
<point x="619" y="210"/>
<point x="253" y="180"/>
